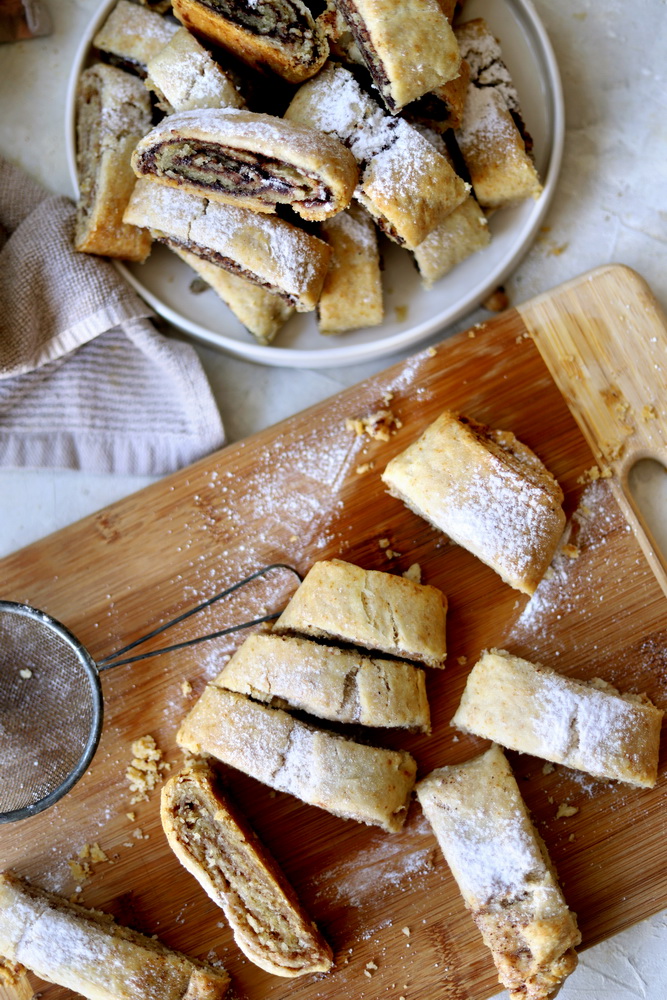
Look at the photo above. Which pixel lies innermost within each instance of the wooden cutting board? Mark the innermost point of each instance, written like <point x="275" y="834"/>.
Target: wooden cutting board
<point x="309" y="489"/>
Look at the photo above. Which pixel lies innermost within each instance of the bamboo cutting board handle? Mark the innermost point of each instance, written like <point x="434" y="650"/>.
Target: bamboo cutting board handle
<point x="606" y="350"/>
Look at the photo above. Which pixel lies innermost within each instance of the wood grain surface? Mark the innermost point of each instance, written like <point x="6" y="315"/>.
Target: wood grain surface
<point x="386" y="902"/>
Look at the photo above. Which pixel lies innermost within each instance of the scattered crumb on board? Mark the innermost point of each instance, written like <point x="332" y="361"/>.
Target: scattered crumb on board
<point x="146" y="768"/>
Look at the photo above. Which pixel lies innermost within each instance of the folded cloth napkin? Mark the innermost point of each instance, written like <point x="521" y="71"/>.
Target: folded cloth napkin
<point x="86" y="380"/>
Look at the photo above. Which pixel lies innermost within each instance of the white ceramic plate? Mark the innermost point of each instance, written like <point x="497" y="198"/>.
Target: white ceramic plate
<point x="412" y="314"/>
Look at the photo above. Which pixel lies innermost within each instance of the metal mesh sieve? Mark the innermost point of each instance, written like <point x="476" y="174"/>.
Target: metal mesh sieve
<point x="50" y="710"/>
<point x="51" y="707"/>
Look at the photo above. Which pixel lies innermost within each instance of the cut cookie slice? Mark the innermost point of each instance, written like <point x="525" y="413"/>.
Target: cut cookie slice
<point x="216" y="844"/>
<point x="504" y="873"/>
<point x="405" y="184"/>
<point x="112" y="113"/>
<point x="183" y="75"/>
<point x="371" y="609"/>
<point x="262" y="313"/>
<point x="352" y="294"/>
<point x="492" y="136"/>
<point x="250" y="160"/>
<point x="263" y="248"/>
<point x="408" y="47"/>
<point x="330" y="683"/>
<point x="87" y="952"/>
<point x="587" y="726"/>
<point x="348" y="779"/>
<point x="279" y="35"/>
<point x="487" y="491"/>
<point x="132" y="35"/>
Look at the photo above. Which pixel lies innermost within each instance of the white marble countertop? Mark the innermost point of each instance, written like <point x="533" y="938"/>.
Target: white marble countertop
<point x="610" y="205"/>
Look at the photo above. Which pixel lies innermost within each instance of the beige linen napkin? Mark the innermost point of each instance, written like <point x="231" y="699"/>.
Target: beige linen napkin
<point x="86" y="380"/>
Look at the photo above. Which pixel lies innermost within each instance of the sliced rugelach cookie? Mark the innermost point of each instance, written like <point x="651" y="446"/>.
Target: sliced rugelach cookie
<point x="492" y="136"/>
<point x="184" y="75"/>
<point x="112" y="113"/>
<point x="408" y="47"/>
<point x="341" y="685"/>
<point x="504" y="873"/>
<point x="352" y="294"/>
<point x="349" y="779"/>
<point x="262" y="313"/>
<point x="132" y="35"/>
<point x="216" y="844"/>
<point x="405" y="184"/>
<point x="279" y="35"/>
<point x="485" y="489"/>
<point x="87" y="952"/>
<point x="588" y="726"/>
<point x="263" y="248"/>
<point x="366" y="607"/>
<point x="251" y="160"/>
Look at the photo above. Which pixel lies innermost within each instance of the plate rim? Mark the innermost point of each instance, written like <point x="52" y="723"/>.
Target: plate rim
<point x="273" y="355"/>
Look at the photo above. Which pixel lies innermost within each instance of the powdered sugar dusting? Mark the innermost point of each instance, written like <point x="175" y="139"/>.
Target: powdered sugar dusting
<point x="483" y="54"/>
<point x="494" y="854"/>
<point x="185" y="74"/>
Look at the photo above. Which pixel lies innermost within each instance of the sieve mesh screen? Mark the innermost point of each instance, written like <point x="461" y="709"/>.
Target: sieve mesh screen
<point x="48" y="708"/>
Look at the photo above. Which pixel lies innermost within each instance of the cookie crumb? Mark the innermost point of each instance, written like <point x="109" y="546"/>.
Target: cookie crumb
<point x="414" y="573"/>
<point x="406" y="931"/>
<point x="649" y="412"/>
<point x="384" y="543"/>
<point x="570" y="550"/>
<point x="380" y="425"/>
<point x="186" y="688"/>
<point x="131" y="816"/>
<point x="462" y="660"/>
<point x="80" y="870"/>
<point x="593" y="474"/>
<point x="566" y="810"/>
<point x="364" y="467"/>
<point x="25" y="673"/>
<point x="431" y="351"/>
<point x="548" y="767"/>
<point x="146" y="768"/>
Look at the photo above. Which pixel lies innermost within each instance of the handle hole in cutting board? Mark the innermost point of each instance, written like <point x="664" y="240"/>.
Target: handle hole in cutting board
<point x="647" y="482"/>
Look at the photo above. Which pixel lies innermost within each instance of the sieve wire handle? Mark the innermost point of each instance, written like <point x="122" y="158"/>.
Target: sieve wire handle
<point x="112" y="659"/>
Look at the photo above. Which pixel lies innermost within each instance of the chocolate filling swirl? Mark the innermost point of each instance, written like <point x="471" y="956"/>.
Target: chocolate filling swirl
<point x="234" y="172"/>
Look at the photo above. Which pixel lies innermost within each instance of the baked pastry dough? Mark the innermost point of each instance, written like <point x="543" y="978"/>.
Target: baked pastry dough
<point x="504" y="873"/>
<point x="586" y="726"/>
<point x="263" y="248"/>
<point x="492" y="137"/>
<point x="112" y="113"/>
<point x="352" y="294"/>
<point x="369" y="608"/>
<point x="487" y="491"/>
<point x="261" y="312"/>
<point x="464" y="232"/>
<point x="406" y="185"/>
<point x="248" y="159"/>
<point x="348" y="779"/>
<point x="280" y="35"/>
<point x="331" y="683"/>
<point x="443" y="108"/>
<point x="132" y="35"/>
<point x="408" y="47"/>
<point x="216" y="844"/>
<point x="87" y="952"/>
<point x="183" y="75"/>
